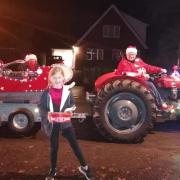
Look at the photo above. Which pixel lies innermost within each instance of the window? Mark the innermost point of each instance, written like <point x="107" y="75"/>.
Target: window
<point x="111" y="31"/>
<point x="95" y="54"/>
<point x="89" y="54"/>
<point x="100" y="54"/>
<point x="116" y="31"/>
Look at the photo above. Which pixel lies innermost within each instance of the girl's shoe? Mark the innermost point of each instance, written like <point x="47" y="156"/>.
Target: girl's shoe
<point x="86" y="172"/>
<point x="51" y="175"/>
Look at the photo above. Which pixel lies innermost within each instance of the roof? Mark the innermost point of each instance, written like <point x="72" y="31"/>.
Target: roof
<point x="137" y="27"/>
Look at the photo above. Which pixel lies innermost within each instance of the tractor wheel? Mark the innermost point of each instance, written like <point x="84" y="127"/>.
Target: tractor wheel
<point x="124" y="110"/>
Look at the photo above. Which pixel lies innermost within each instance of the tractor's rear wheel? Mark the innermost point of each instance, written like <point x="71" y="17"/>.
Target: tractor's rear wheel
<point x="124" y="110"/>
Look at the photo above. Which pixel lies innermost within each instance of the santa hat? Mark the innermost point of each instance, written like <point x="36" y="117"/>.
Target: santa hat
<point x="30" y="57"/>
<point x="131" y="49"/>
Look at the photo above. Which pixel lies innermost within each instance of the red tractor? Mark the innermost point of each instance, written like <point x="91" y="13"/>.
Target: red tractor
<point x="124" y="108"/>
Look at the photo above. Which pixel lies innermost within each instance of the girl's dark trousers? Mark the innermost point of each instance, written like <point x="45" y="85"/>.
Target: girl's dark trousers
<point x="69" y="134"/>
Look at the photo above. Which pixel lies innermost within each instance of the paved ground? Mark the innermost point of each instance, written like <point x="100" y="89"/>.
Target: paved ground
<point x="157" y="158"/>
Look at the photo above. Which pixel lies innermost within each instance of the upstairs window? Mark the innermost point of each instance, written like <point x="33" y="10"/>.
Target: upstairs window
<point x="111" y="31"/>
<point x="95" y="54"/>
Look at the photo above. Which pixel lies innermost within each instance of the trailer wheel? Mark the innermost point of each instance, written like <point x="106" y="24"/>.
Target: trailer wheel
<point x="21" y="122"/>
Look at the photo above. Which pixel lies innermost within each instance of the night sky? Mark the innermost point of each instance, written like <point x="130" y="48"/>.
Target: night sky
<point x="67" y="19"/>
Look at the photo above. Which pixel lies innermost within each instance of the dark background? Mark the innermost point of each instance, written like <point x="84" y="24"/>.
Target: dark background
<point x="31" y="24"/>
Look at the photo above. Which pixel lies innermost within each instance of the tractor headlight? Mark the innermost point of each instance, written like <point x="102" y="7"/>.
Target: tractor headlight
<point x="178" y="107"/>
<point x="36" y="110"/>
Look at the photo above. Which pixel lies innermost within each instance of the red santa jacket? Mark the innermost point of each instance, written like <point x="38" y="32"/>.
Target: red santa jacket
<point x="136" y="67"/>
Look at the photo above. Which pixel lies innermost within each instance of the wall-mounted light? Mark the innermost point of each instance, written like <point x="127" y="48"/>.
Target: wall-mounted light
<point x="75" y="49"/>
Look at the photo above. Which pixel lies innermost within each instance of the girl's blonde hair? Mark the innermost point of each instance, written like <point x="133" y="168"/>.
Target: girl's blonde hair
<point x="53" y="71"/>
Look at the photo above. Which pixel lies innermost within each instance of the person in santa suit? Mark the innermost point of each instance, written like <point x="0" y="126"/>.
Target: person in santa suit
<point x="31" y="62"/>
<point x="133" y="66"/>
<point x="31" y="67"/>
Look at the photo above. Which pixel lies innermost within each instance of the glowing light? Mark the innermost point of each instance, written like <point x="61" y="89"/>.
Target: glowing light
<point x="36" y="110"/>
<point x="39" y="71"/>
<point x="75" y="49"/>
<point x="66" y="54"/>
<point x="178" y="107"/>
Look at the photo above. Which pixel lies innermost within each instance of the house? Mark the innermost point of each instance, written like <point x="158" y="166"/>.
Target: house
<point x="105" y="40"/>
<point x="99" y="48"/>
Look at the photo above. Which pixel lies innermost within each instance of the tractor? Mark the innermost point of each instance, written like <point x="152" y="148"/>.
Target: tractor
<point x="124" y="108"/>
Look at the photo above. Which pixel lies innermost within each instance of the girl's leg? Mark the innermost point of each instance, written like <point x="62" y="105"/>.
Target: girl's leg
<point x="54" y="141"/>
<point x="71" y="137"/>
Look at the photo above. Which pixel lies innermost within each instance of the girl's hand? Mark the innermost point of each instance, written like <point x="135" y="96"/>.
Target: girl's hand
<point x="70" y="112"/>
<point x="49" y="119"/>
<point x="71" y="109"/>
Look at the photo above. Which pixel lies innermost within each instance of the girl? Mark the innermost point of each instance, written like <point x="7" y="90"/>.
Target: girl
<point x="58" y="98"/>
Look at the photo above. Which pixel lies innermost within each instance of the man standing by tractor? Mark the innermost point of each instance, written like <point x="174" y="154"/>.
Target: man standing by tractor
<point x="133" y="66"/>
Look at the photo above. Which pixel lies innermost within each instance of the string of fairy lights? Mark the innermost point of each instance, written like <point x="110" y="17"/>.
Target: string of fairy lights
<point x="26" y="84"/>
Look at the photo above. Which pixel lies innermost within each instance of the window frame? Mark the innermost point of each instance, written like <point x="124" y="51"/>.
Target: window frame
<point x="95" y="54"/>
<point x="111" y="31"/>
